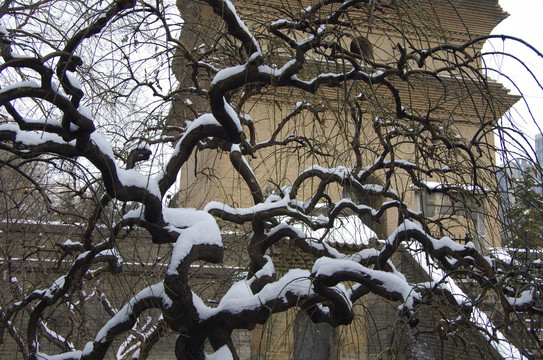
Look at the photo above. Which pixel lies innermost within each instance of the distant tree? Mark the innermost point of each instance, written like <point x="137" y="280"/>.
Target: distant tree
<point x="525" y="215"/>
<point x="118" y="102"/>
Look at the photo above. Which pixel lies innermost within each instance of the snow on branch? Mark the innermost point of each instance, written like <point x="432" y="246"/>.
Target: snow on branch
<point x="194" y="228"/>
<point x="275" y="295"/>
<point x="389" y="285"/>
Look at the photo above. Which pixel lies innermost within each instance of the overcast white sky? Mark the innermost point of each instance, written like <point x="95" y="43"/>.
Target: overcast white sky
<point x="526" y="22"/>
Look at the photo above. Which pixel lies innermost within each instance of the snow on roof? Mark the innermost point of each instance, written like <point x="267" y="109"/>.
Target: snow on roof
<point x="434" y="185"/>
<point x="347" y="231"/>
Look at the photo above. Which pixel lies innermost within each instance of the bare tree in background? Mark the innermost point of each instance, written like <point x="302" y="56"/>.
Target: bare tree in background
<point x="105" y="103"/>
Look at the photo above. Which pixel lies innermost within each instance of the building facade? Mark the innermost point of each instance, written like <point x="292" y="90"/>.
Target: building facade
<point x="457" y="99"/>
<point x="462" y="106"/>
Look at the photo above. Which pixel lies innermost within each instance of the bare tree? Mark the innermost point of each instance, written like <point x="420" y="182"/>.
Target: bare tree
<point x="362" y="110"/>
